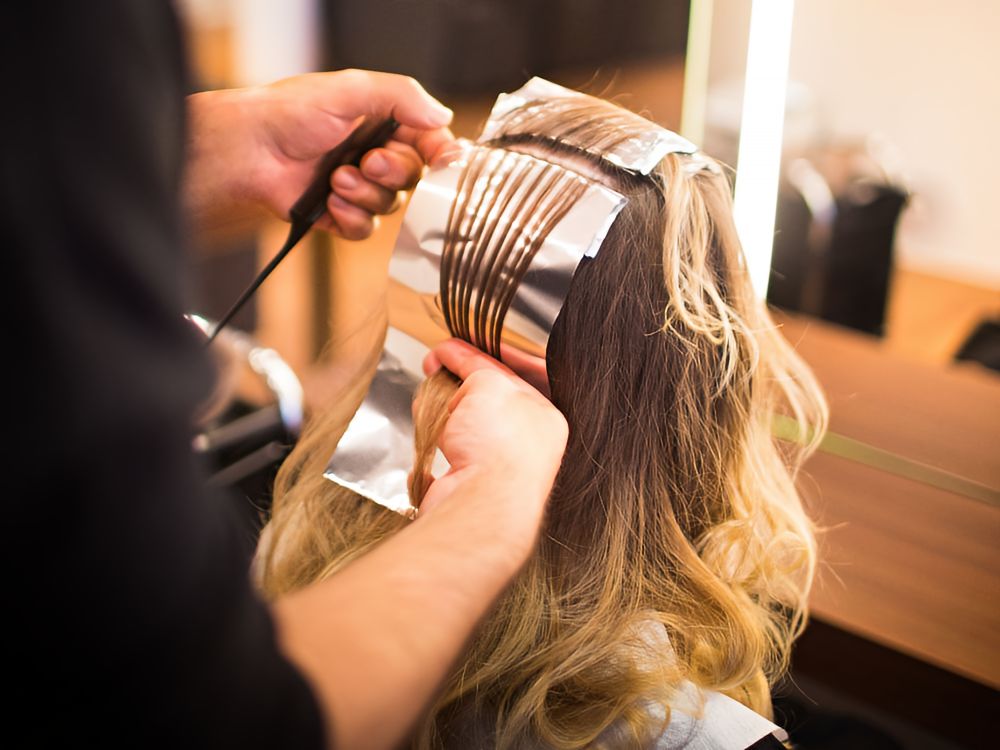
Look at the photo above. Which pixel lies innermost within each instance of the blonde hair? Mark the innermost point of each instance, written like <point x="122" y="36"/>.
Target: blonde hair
<point x="675" y="545"/>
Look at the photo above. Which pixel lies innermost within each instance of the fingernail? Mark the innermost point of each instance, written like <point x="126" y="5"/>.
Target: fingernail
<point x="431" y="364"/>
<point x="440" y="115"/>
<point x="345" y="179"/>
<point x="376" y="165"/>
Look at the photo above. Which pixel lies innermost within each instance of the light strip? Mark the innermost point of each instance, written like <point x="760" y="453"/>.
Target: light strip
<point x="696" y="65"/>
<point x="759" y="160"/>
<point x="274" y="40"/>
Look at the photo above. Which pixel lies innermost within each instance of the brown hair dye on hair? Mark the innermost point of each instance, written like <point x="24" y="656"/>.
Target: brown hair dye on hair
<point x="675" y="546"/>
<point x="506" y="205"/>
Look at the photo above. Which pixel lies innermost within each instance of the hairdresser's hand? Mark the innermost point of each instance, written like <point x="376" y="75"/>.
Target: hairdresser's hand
<point x="378" y="639"/>
<point x="503" y="437"/>
<point x="255" y="150"/>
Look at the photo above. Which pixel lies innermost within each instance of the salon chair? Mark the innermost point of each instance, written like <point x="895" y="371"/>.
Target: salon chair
<point x="834" y="246"/>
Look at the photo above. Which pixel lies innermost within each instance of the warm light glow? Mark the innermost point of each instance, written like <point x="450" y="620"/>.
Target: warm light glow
<point x="759" y="160"/>
<point x="274" y="40"/>
<point x="696" y="65"/>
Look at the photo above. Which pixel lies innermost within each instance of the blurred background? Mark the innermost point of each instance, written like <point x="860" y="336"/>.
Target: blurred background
<point x="885" y="274"/>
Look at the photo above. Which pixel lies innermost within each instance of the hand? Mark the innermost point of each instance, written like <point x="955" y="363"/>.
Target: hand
<point x="502" y="431"/>
<point x="422" y="590"/>
<point x="256" y="149"/>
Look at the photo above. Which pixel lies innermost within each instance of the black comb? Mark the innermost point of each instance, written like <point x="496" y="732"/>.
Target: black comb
<point x="311" y="205"/>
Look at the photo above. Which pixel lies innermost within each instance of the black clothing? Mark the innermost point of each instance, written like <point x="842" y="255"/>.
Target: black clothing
<point x="129" y="617"/>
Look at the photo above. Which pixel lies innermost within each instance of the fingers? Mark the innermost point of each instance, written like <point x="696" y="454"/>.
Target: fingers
<point x="462" y="359"/>
<point x="386" y="94"/>
<point x="528" y="366"/>
<point x="500" y="431"/>
<point x="373" y="188"/>
<point x="349" y="221"/>
<point x="437" y="146"/>
<point x="466" y="362"/>
<point x="485" y="379"/>
<point x="471" y="366"/>
<point x="431" y="364"/>
<point x="351" y="185"/>
<point x="396" y="167"/>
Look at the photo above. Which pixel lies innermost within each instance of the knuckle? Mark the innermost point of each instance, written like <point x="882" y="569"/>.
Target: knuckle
<point x="560" y="424"/>
<point x="359" y="231"/>
<point x="353" y="79"/>
<point x="476" y="378"/>
<point x="494" y="378"/>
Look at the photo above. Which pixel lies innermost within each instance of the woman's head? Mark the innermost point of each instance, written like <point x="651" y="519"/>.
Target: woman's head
<point x="675" y="546"/>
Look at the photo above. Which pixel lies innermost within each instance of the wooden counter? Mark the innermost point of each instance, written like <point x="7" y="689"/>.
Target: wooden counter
<point x="905" y="563"/>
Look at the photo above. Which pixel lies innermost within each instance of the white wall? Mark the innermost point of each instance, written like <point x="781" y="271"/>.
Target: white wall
<point x="923" y="76"/>
<point x="272" y="39"/>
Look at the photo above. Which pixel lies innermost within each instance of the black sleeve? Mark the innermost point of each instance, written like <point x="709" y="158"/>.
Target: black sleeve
<point x="128" y="616"/>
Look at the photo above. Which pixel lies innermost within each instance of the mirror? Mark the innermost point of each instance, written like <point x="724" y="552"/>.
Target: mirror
<point x="885" y="218"/>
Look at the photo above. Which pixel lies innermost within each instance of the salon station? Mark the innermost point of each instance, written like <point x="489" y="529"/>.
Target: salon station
<point x="857" y="140"/>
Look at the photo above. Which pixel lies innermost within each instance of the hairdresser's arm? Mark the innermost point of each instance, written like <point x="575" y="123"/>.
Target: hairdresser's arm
<point x="378" y="639"/>
<point x="253" y="151"/>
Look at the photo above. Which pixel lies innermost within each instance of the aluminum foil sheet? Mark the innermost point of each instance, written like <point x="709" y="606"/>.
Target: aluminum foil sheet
<point x="642" y="147"/>
<point x="375" y="454"/>
<point x="706" y="720"/>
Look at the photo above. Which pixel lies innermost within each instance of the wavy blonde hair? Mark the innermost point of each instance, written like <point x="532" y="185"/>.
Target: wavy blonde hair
<point x="675" y="546"/>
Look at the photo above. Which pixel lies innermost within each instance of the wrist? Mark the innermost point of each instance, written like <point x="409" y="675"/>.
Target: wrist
<point x="498" y="513"/>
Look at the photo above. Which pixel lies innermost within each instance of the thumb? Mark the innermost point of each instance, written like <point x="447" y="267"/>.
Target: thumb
<point x="367" y="92"/>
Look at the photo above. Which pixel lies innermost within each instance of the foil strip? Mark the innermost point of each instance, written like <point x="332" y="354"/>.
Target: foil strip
<point x="706" y="720"/>
<point x="375" y="454"/>
<point x="646" y="145"/>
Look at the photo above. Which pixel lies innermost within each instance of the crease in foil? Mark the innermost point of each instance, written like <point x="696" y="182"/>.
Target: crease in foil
<point x="375" y="453"/>
<point x="640" y="152"/>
